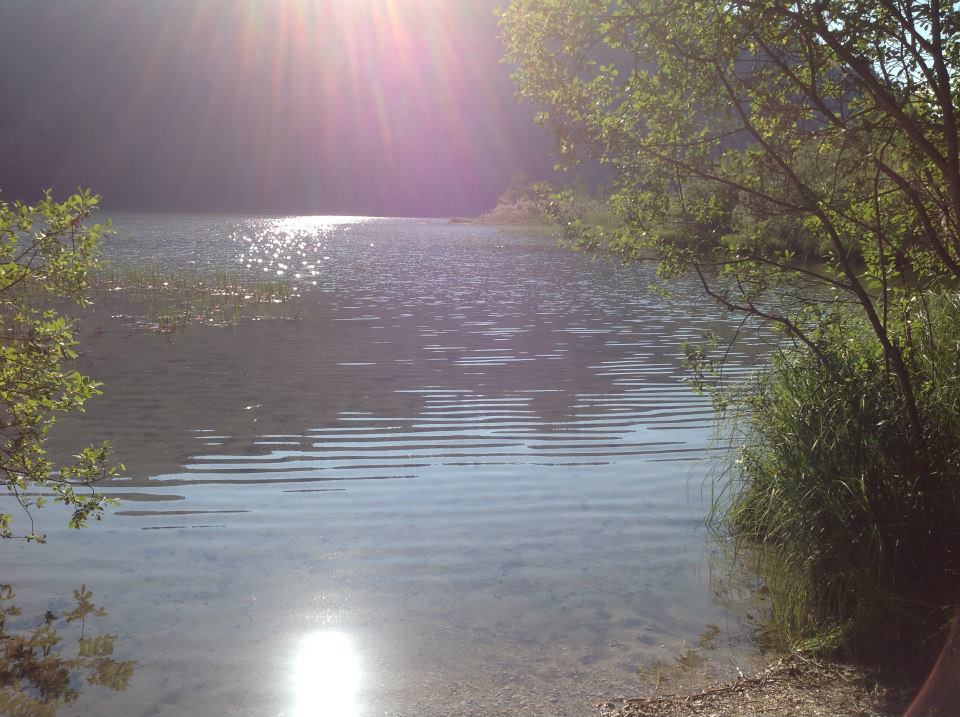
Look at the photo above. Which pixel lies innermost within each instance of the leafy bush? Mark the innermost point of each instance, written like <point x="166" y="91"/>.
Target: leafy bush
<point x="46" y="254"/>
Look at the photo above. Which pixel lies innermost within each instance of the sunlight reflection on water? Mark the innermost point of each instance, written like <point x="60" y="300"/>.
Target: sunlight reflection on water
<point x="315" y="224"/>
<point x="292" y="247"/>
<point x="326" y="676"/>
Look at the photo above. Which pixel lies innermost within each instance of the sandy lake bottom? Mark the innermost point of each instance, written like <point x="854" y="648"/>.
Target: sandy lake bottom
<point x="460" y="474"/>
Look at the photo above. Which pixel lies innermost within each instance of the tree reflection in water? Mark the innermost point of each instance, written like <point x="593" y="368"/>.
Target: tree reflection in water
<point x="41" y="671"/>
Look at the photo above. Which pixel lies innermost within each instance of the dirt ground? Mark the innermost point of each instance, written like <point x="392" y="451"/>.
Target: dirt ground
<point x="789" y="687"/>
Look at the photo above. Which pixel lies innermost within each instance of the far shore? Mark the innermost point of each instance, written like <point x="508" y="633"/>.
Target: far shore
<point x="493" y="219"/>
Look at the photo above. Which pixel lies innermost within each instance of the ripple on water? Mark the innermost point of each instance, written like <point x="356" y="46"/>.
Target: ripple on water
<point x="472" y="467"/>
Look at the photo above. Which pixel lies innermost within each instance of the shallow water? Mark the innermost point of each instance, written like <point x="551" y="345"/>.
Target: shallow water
<point x="460" y="475"/>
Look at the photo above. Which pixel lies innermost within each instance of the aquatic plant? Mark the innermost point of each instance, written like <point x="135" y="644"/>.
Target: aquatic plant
<point x="169" y="301"/>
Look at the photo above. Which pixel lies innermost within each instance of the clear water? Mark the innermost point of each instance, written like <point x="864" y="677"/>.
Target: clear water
<point x="466" y="479"/>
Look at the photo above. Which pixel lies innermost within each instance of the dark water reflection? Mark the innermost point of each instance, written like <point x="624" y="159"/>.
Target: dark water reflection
<point x="467" y="474"/>
<point x="47" y="661"/>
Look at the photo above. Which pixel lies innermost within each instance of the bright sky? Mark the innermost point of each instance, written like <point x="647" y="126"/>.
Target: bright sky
<point x="351" y="106"/>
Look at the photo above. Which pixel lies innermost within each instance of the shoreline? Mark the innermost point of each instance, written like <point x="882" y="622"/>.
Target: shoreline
<point x="499" y="221"/>
<point x="790" y="686"/>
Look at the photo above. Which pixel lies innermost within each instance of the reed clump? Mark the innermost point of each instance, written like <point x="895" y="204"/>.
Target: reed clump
<point x="168" y="301"/>
<point x="855" y="526"/>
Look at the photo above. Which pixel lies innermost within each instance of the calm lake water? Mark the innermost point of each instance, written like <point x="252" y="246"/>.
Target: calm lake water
<point x="460" y="475"/>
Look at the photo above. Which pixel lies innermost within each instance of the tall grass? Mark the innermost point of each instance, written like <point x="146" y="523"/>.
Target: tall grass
<point x="856" y="534"/>
<point x="170" y="301"/>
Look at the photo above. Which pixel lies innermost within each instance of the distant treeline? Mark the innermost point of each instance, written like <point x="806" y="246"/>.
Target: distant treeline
<point x="524" y="202"/>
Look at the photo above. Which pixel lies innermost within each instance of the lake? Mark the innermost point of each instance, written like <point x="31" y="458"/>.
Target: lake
<point x="460" y="474"/>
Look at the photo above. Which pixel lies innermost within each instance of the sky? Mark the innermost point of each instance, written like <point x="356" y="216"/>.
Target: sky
<point x="378" y="107"/>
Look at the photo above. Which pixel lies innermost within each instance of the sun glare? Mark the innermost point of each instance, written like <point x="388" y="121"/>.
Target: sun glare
<point x="322" y="96"/>
<point x="327" y="676"/>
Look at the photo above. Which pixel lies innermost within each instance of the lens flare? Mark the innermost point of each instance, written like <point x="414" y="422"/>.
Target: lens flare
<point x="345" y="100"/>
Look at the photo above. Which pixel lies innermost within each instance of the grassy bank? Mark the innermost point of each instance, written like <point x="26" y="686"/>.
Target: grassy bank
<point x="855" y="527"/>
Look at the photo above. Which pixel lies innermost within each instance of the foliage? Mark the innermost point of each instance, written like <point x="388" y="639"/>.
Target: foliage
<point x="540" y="203"/>
<point x="586" y="219"/>
<point x="746" y="138"/>
<point x="838" y="116"/>
<point x="519" y="203"/>
<point x="855" y="552"/>
<point x="46" y="253"/>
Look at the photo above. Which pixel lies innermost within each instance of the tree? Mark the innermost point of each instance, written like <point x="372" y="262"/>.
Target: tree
<point x="838" y="114"/>
<point x="46" y="254"/>
<point x="747" y="137"/>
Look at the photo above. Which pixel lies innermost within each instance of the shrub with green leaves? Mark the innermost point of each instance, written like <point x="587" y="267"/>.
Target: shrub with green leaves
<point x="46" y="253"/>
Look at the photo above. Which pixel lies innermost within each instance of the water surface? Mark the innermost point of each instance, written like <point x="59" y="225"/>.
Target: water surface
<point x="460" y="475"/>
